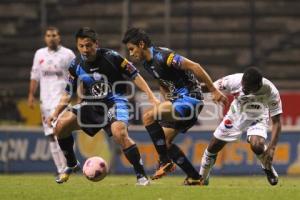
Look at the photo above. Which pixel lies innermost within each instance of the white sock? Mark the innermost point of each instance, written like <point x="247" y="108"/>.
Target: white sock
<point x="207" y="163"/>
<point x="58" y="156"/>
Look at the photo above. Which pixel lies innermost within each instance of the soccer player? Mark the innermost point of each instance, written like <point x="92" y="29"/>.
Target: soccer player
<point x="97" y="75"/>
<point x="255" y="99"/>
<point x="50" y="70"/>
<point x="179" y="79"/>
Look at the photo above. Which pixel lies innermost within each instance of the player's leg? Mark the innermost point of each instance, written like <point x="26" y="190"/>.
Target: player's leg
<point x="156" y="132"/>
<point x="209" y="158"/>
<point x="178" y="157"/>
<point x="257" y="135"/>
<point x="67" y="123"/>
<point x="57" y="154"/>
<point x="130" y="150"/>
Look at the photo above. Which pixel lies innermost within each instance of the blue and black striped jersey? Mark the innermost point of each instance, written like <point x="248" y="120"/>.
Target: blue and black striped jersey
<point x="165" y="66"/>
<point x="100" y="78"/>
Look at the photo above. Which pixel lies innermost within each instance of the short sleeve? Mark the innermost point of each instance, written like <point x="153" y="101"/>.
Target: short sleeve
<point x="35" y="70"/>
<point x="229" y="84"/>
<point x="174" y="60"/>
<point x="71" y="86"/>
<point x="274" y="103"/>
<point x="126" y="67"/>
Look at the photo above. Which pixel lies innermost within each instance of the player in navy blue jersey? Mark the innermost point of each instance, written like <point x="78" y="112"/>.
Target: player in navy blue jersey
<point x="179" y="79"/>
<point x="97" y="76"/>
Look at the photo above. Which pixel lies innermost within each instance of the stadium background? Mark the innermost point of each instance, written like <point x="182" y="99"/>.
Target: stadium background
<point x="223" y="36"/>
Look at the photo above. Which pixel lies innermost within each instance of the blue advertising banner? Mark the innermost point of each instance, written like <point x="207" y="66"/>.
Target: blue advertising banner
<point x="28" y="151"/>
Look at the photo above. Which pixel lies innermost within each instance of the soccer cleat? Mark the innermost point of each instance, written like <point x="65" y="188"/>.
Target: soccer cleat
<point x="272" y="175"/>
<point x="204" y="181"/>
<point x="188" y="181"/>
<point x="143" y="181"/>
<point x="63" y="177"/>
<point x="163" y="169"/>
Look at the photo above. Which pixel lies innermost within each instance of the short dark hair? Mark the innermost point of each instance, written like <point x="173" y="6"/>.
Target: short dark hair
<point x="252" y="77"/>
<point x="52" y="28"/>
<point x="135" y="36"/>
<point x="86" y="32"/>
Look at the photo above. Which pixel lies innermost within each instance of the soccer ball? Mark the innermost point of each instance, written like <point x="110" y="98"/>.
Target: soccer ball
<point x="95" y="169"/>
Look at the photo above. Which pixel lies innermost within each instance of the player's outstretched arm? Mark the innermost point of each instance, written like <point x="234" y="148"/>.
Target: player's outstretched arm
<point x="202" y="76"/>
<point x="63" y="103"/>
<point x="142" y="85"/>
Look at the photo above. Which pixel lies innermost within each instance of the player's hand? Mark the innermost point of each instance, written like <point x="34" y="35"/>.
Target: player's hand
<point x="51" y="120"/>
<point x="154" y="101"/>
<point x="30" y="101"/>
<point x="219" y="97"/>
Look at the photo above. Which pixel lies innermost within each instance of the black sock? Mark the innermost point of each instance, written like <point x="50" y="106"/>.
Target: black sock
<point x="159" y="140"/>
<point x="133" y="156"/>
<point x="66" y="145"/>
<point x="181" y="160"/>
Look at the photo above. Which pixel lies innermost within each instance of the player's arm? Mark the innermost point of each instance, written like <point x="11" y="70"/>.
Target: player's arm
<point x="32" y="90"/>
<point x="63" y="103"/>
<point x="276" y="129"/>
<point x="143" y="86"/>
<point x="34" y="80"/>
<point x="202" y="76"/>
<point x="132" y="73"/>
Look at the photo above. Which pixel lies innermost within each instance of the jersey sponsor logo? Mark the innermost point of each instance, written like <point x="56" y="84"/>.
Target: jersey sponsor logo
<point x="228" y="123"/>
<point x="52" y="73"/>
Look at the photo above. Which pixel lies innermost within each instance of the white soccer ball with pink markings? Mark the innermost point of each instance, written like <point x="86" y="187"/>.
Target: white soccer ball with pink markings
<point x="95" y="168"/>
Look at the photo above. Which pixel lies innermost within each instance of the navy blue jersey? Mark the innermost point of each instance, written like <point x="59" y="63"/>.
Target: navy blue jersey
<point x="99" y="78"/>
<point x="165" y="66"/>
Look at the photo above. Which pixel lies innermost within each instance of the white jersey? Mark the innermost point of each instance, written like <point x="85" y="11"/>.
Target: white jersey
<point x="50" y="68"/>
<point x="248" y="109"/>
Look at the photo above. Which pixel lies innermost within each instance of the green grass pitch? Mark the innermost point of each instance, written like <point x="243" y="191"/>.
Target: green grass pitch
<point x="42" y="186"/>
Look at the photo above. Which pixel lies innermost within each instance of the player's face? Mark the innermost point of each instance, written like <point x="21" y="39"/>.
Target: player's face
<point x="87" y="48"/>
<point x="135" y="51"/>
<point x="52" y="39"/>
<point x="250" y="89"/>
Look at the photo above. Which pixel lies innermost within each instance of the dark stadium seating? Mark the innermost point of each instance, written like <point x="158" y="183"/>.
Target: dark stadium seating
<point x="215" y="33"/>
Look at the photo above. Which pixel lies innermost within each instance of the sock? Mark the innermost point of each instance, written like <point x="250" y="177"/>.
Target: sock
<point x="66" y="145"/>
<point x="133" y="156"/>
<point x="158" y="138"/>
<point x="181" y="160"/>
<point x="207" y="162"/>
<point x="58" y="156"/>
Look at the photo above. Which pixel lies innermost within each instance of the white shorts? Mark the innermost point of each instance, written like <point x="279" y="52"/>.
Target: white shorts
<point x="229" y="132"/>
<point x="45" y="114"/>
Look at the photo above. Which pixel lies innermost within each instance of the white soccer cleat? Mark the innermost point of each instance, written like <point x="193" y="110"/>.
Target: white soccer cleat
<point x="143" y="181"/>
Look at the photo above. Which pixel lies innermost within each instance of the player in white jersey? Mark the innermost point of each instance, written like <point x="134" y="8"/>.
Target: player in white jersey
<point x="50" y="70"/>
<point x="256" y="100"/>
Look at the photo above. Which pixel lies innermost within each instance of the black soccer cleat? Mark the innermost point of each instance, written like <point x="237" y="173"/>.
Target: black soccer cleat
<point x="272" y="175"/>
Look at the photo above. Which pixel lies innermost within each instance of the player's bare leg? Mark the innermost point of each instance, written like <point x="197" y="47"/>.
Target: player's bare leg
<point x="209" y="158"/>
<point x="63" y="131"/>
<point x="156" y="132"/>
<point x="131" y="152"/>
<point x="258" y="147"/>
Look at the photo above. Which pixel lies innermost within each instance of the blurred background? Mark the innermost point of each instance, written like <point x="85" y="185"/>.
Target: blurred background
<point x="224" y="36"/>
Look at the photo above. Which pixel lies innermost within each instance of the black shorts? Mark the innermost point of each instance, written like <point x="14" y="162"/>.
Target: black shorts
<point x="94" y="117"/>
<point x="182" y="125"/>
